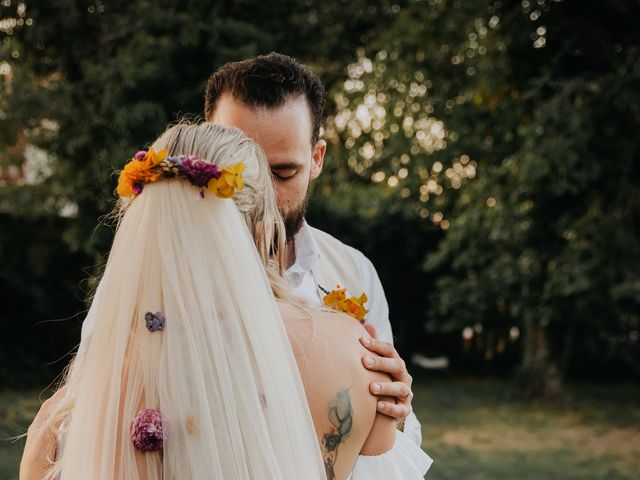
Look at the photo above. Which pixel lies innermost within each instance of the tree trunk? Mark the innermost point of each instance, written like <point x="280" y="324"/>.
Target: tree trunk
<point x="538" y="376"/>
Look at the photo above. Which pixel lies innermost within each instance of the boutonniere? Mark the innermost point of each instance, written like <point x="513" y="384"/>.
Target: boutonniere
<point x="338" y="300"/>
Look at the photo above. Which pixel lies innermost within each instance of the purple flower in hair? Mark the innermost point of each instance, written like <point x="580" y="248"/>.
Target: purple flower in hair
<point x="140" y="155"/>
<point x="147" y="432"/>
<point x="176" y="160"/>
<point x="199" y="172"/>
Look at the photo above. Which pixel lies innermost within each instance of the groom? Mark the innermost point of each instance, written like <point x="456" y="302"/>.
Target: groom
<point x="279" y="103"/>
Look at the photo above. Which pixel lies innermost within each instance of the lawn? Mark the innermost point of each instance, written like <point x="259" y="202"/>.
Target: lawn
<point x="474" y="430"/>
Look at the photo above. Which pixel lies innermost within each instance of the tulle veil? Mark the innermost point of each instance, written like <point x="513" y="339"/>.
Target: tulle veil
<point x="221" y="373"/>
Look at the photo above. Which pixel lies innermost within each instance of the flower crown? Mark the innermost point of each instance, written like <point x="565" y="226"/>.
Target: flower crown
<point x="150" y="166"/>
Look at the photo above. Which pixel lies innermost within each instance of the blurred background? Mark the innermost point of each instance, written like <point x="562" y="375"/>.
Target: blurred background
<point x="484" y="154"/>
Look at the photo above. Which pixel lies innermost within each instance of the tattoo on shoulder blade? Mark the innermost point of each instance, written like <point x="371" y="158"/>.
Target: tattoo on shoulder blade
<point x="341" y="417"/>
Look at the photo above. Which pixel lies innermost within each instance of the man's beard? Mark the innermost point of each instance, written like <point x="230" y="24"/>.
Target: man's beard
<point x="294" y="219"/>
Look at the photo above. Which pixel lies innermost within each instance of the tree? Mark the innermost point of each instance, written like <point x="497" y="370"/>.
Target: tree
<point x="85" y="84"/>
<point x="493" y="121"/>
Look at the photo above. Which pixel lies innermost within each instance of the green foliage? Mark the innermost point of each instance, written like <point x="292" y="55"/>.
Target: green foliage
<point x="511" y="127"/>
<point x="88" y="84"/>
<point x="538" y="239"/>
<point x="483" y="154"/>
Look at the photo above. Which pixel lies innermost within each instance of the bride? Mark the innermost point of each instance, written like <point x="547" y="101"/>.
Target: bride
<point x="189" y="371"/>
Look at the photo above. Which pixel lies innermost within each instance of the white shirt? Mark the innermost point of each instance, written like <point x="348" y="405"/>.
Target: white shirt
<point x="301" y="277"/>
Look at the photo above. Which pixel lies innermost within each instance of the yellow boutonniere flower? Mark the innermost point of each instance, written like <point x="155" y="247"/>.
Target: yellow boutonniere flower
<point x="334" y="298"/>
<point x="139" y="171"/>
<point x="337" y="299"/>
<point x="229" y="181"/>
<point x="355" y="307"/>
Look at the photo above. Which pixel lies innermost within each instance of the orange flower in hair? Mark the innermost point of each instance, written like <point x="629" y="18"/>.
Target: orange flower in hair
<point x="140" y="171"/>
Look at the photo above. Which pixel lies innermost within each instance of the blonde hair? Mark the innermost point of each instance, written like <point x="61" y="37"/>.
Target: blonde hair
<point x="222" y="371"/>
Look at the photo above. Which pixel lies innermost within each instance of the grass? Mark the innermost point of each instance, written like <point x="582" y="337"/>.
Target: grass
<point x="474" y="430"/>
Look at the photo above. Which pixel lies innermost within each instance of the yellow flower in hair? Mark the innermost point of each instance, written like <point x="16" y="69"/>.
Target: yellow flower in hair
<point x="152" y="158"/>
<point x="229" y="181"/>
<point x="140" y="171"/>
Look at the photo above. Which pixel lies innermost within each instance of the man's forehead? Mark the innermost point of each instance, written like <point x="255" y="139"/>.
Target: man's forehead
<point x="283" y="133"/>
<point x="232" y="112"/>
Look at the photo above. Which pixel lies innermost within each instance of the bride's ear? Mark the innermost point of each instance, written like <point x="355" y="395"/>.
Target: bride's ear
<point x="317" y="158"/>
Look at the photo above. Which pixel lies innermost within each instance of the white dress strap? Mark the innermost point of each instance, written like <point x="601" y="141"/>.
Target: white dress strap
<point x="405" y="461"/>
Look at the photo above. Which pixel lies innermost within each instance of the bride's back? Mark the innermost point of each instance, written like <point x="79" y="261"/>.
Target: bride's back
<point x="329" y="356"/>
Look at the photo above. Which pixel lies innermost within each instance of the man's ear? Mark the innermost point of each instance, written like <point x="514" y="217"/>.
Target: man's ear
<point x="317" y="158"/>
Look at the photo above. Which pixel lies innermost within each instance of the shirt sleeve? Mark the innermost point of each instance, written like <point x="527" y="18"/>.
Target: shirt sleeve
<point x="378" y="308"/>
<point x="405" y="461"/>
<point x="413" y="429"/>
<point x="379" y="316"/>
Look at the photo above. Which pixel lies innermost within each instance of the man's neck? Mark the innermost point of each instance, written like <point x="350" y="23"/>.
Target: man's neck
<point x="290" y="253"/>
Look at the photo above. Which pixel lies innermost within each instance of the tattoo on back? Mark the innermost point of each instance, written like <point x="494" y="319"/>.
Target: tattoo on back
<point x="341" y="417"/>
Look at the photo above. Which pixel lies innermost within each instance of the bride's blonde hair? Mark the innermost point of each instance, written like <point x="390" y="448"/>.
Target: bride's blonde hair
<point x="221" y="372"/>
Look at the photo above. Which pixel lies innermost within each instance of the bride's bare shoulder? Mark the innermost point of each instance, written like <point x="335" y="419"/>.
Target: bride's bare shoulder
<point x="329" y="356"/>
<point x="331" y="340"/>
<point x="317" y="326"/>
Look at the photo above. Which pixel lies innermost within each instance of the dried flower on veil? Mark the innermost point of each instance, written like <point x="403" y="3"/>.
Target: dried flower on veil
<point x="147" y="431"/>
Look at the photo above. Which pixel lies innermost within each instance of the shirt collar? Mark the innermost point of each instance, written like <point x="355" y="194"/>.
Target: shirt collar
<point x="307" y="250"/>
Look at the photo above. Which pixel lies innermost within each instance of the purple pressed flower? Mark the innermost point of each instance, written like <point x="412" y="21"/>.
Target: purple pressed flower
<point x="155" y="321"/>
<point x="140" y="155"/>
<point x="199" y="172"/>
<point x="147" y="433"/>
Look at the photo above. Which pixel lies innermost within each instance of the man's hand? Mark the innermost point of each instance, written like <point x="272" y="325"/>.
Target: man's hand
<point x="388" y="362"/>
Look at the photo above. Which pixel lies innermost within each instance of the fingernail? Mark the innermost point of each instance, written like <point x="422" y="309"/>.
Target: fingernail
<point x="368" y="361"/>
<point x="376" y="388"/>
<point x="381" y="405"/>
<point x="366" y="340"/>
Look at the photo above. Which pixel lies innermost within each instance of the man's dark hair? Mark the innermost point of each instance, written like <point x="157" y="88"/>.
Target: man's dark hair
<point x="267" y="81"/>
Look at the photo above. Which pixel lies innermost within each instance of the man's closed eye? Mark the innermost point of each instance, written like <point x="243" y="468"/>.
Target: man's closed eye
<point x="285" y="174"/>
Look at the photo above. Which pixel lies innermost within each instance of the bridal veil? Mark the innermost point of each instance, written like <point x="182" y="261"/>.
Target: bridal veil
<point x="184" y="323"/>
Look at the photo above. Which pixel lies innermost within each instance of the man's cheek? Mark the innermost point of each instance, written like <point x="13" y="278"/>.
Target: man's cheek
<point x="282" y="199"/>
